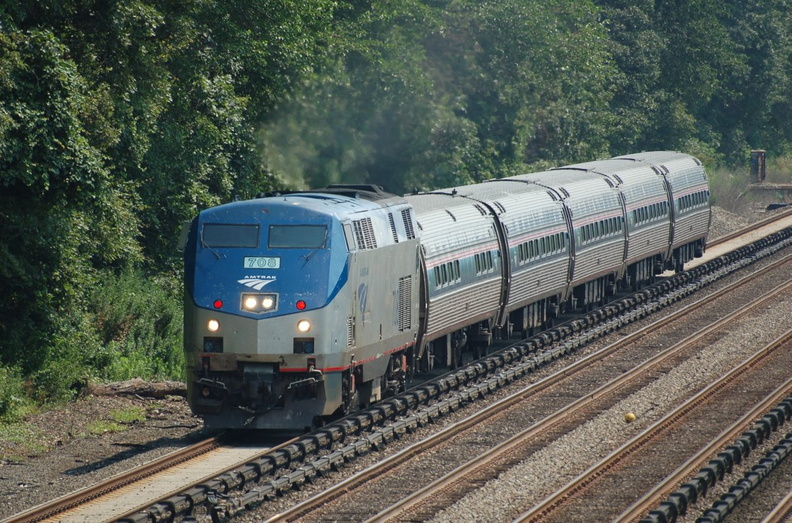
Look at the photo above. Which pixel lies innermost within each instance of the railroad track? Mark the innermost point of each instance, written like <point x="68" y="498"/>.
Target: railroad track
<point x="182" y="498"/>
<point x="654" y="459"/>
<point x="782" y="511"/>
<point x="138" y="488"/>
<point x="343" y="502"/>
<point x="738" y="238"/>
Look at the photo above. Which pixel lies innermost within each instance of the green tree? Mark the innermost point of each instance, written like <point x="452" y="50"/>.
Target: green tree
<point x="364" y="115"/>
<point x="636" y="47"/>
<point x="755" y="112"/>
<point x="63" y="216"/>
<point x="430" y="94"/>
<point x="533" y="77"/>
<point x="118" y="120"/>
<point x="700" y="63"/>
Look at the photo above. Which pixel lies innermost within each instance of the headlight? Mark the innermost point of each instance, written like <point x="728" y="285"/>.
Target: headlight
<point x="213" y="325"/>
<point x="303" y="325"/>
<point x="250" y="302"/>
<point x="259" y="302"/>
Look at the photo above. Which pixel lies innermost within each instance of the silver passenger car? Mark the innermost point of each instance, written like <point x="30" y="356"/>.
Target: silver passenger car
<point x="647" y="205"/>
<point x="536" y="231"/>
<point x="597" y="224"/>
<point x="463" y="282"/>
<point x="687" y="186"/>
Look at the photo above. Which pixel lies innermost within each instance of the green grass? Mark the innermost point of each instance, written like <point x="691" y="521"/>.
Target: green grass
<point x="730" y="186"/>
<point x="119" y="421"/>
<point x="99" y="427"/>
<point x="129" y="416"/>
<point x="779" y="170"/>
<point x="18" y="441"/>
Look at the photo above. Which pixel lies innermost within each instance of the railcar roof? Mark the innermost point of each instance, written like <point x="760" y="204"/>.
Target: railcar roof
<point x="564" y="176"/>
<point x="338" y="204"/>
<point x="659" y="157"/>
<point x="499" y="188"/>
<point x="438" y="200"/>
<point x="621" y="167"/>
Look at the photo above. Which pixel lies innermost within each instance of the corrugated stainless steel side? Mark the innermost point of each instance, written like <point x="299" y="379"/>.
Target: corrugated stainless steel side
<point x="648" y="241"/>
<point x="463" y="306"/>
<point x="685" y="175"/>
<point x="528" y="211"/>
<point x="535" y="281"/>
<point x="642" y="186"/>
<point x="691" y="227"/>
<point x="590" y="198"/>
<point x="453" y="228"/>
<point x="604" y="258"/>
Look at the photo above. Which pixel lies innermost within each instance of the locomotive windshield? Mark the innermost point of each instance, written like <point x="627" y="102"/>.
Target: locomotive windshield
<point x="227" y="235"/>
<point x="297" y="236"/>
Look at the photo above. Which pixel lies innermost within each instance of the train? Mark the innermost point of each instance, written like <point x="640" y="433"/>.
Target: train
<point x="304" y="306"/>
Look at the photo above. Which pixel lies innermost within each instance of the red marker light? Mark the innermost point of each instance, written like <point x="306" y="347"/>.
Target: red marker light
<point x="300" y="305"/>
<point x="218" y="304"/>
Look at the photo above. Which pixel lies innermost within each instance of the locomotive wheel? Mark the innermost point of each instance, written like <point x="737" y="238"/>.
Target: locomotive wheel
<point x="349" y="397"/>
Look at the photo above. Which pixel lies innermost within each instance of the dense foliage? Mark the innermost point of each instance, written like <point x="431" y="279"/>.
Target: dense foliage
<point x="120" y="120"/>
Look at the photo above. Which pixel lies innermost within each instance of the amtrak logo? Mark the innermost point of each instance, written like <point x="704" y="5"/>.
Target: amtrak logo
<point x="256" y="283"/>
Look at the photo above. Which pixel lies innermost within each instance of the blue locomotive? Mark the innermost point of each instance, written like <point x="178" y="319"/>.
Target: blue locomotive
<point x="301" y="306"/>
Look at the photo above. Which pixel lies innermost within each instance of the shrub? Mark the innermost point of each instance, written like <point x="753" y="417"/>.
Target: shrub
<point x="14" y="402"/>
<point x="139" y="324"/>
<point x="71" y="363"/>
<point x="729" y="188"/>
<point x="129" y="327"/>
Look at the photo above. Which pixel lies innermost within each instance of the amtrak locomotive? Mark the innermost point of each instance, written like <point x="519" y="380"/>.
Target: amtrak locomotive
<point x="301" y="306"/>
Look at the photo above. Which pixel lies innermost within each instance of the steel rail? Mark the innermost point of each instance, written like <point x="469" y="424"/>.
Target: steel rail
<point x="93" y="492"/>
<point x="781" y="511"/>
<point x="652" y="498"/>
<point x="72" y="500"/>
<point x="752" y="227"/>
<point x="550" y="504"/>
<point x="508" y="447"/>
<point x="230" y="505"/>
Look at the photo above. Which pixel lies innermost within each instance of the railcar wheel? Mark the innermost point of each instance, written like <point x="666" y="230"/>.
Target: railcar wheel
<point x="349" y="394"/>
<point x="456" y="357"/>
<point x="396" y="375"/>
